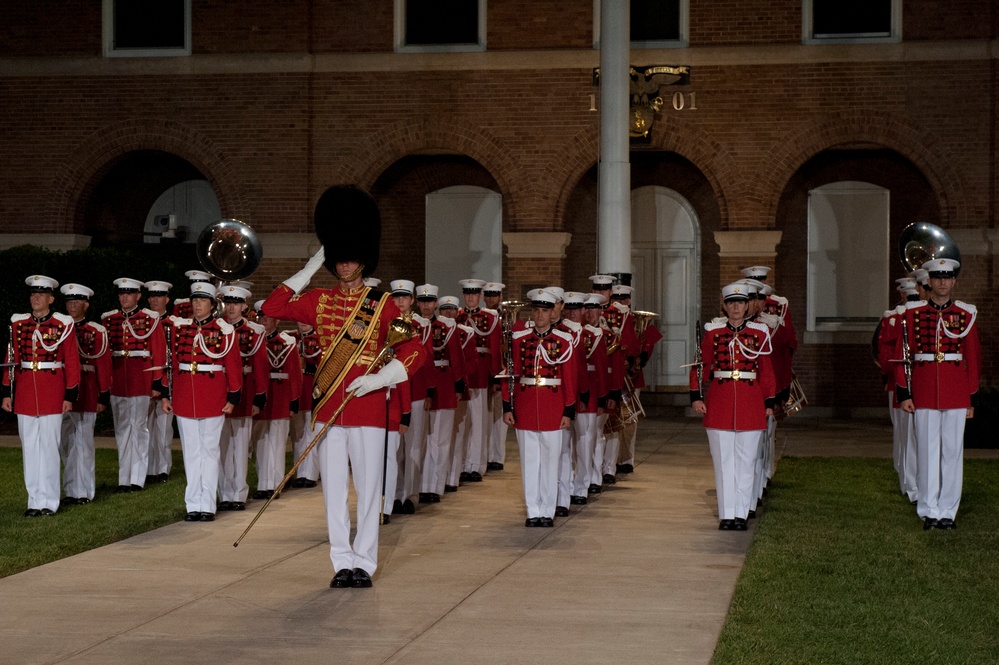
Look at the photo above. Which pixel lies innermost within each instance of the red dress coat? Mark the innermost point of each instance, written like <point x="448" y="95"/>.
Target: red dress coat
<point x="182" y="308"/>
<point x="732" y="404"/>
<point x="784" y="341"/>
<point x="650" y="337"/>
<point x="253" y="356"/>
<point x="40" y="389"/>
<point x="327" y="310"/>
<point x="578" y="357"/>
<point x="311" y="353"/>
<point x="400" y="406"/>
<point x="424" y="378"/>
<point x="95" y="365"/>
<point x="445" y="339"/>
<point x="540" y="357"/>
<point x="889" y="336"/>
<point x="488" y="345"/>
<point x="137" y="346"/>
<point x="196" y="393"/>
<point x="946" y="354"/>
<point x="285" y="376"/>
<point x="594" y="352"/>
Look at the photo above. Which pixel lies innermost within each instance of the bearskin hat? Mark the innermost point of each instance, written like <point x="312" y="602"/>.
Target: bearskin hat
<point x="349" y="226"/>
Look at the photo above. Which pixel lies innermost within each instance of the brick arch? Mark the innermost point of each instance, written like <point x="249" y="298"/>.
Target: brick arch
<point x="366" y="164"/>
<point x="99" y="152"/>
<point x="857" y="126"/>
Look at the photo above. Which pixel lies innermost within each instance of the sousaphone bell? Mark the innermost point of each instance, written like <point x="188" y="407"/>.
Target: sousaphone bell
<point x="229" y="250"/>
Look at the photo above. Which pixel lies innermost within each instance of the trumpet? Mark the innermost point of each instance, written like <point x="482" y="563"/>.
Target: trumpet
<point x="509" y="313"/>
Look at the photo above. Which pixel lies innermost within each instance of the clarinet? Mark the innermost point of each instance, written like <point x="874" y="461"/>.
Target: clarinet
<point x="10" y="359"/>
<point x="906" y="357"/>
<point x="698" y="359"/>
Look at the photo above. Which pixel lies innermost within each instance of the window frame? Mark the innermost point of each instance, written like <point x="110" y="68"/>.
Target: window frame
<point x="682" y="42"/>
<point x="400" y="34"/>
<point x="108" y="37"/>
<point x="808" y="35"/>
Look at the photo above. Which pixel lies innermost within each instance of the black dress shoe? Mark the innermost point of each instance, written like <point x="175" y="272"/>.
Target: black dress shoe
<point x="424" y="497"/>
<point x="343" y="579"/>
<point x="464" y="477"/>
<point x="726" y="525"/>
<point x="308" y="484"/>
<point x="627" y="468"/>
<point x="752" y="514"/>
<point x="46" y="512"/>
<point x="561" y="511"/>
<point x="32" y="512"/>
<point x="296" y="483"/>
<point x="192" y="517"/>
<point x="238" y="505"/>
<point x="946" y="523"/>
<point x="123" y="489"/>
<point x="68" y="501"/>
<point x="533" y="521"/>
<point x="207" y="517"/>
<point x="408" y="508"/>
<point x="594" y="489"/>
<point x="150" y="479"/>
<point x="929" y="523"/>
<point x="546" y="522"/>
<point x="82" y="500"/>
<point x="494" y="466"/>
<point x="361" y="579"/>
<point x="397" y="507"/>
<point x="475" y="477"/>
<point x="386" y="518"/>
<point x="609" y="479"/>
<point x="163" y="477"/>
<point x="577" y="500"/>
<point x="435" y="498"/>
<point x="740" y="524"/>
<point x="225" y="505"/>
<point x="450" y="488"/>
<point x="135" y="488"/>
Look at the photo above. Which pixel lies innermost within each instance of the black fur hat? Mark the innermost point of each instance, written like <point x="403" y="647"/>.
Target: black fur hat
<point x="349" y="226"/>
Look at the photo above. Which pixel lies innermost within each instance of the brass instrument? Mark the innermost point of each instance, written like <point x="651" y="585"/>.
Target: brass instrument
<point x="642" y="320"/>
<point x="399" y="331"/>
<point x="509" y="314"/>
<point x="796" y="400"/>
<point x="229" y="250"/>
<point x="921" y="242"/>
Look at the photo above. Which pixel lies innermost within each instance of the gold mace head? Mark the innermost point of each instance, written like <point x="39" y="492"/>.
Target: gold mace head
<point x="399" y="331"/>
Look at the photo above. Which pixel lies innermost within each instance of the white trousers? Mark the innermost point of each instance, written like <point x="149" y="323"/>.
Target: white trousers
<point x="585" y="428"/>
<point x="598" y="451"/>
<point x="40" y="451"/>
<point x="414" y="449"/>
<point x="908" y="469"/>
<point x="301" y="437"/>
<point x="896" y="431"/>
<point x="477" y="431"/>
<point x="271" y="438"/>
<point x="940" y="443"/>
<point x="612" y="445"/>
<point x="234" y="447"/>
<point x="199" y="440"/>
<point x="771" y="463"/>
<point x="131" y="431"/>
<point x="356" y="451"/>
<point x="77" y="451"/>
<point x="160" y="426"/>
<point x="539" y="454"/>
<point x="763" y="461"/>
<point x="734" y="454"/>
<point x="565" y="456"/>
<point x="391" y="463"/>
<point x="440" y="440"/>
<point x="498" y="430"/>
<point x="462" y="425"/>
<point x="627" y="438"/>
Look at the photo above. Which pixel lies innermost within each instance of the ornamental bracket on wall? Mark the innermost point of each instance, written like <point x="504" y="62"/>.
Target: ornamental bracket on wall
<point x="645" y="98"/>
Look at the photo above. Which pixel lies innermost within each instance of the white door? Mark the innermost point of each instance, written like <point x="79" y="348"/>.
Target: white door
<point x="666" y="277"/>
<point x="464" y="230"/>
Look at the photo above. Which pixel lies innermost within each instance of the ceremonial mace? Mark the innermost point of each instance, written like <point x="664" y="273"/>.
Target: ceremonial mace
<point x="399" y="331"/>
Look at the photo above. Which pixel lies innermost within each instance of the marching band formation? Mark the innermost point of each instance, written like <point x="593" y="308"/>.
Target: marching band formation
<point x="410" y="394"/>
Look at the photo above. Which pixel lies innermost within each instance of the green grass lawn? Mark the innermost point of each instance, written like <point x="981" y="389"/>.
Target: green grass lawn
<point x="840" y="571"/>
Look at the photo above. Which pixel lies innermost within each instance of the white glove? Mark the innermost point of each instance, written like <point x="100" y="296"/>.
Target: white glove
<point x="391" y="374"/>
<point x="301" y="279"/>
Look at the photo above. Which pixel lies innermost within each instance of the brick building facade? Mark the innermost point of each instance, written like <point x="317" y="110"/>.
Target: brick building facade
<point x="279" y="100"/>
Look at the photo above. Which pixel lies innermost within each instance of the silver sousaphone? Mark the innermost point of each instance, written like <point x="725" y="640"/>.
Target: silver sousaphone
<point x="229" y="250"/>
<point x="921" y="242"/>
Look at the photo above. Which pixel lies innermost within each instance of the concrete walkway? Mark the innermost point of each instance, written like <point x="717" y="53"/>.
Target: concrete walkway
<point x="639" y="575"/>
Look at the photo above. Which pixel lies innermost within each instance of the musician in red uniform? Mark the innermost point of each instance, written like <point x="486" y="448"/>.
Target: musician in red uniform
<point x="234" y="443"/>
<point x="353" y="323"/>
<point x="543" y="404"/>
<point x="207" y="376"/>
<point x="284" y="387"/>
<point x="591" y="354"/>
<point x="574" y="327"/>
<point x="740" y="396"/>
<point x="621" y="324"/>
<point x="465" y="338"/>
<point x="182" y="306"/>
<point x="138" y="352"/>
<point x="160" y="424"/>
<point x="40" y="386"/>
<point x="310" y="353"/>
<point x="946" y="366"/>
<point x="591" y="427"/>
<point x="492" y="296"/>
<point x="77" y="443"/>
<point x="399" y="409"/>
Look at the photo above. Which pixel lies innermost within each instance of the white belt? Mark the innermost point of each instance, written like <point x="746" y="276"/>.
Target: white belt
<point x="736" y="375"/>
<point x="134" y="354"/>
<point x="198" y="367"/>
<point x="539" y="381"/>
<point x="87" y="368"/>
<point x="442" y="363"/>
<point x="483" y="349"/>
<point x="279" y="375"/>
<point x="591" y="368"/>
<point x="33" y="365"/>
<point x="938" y="357"/>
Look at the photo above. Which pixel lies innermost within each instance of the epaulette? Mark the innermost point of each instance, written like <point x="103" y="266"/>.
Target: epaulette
<point x="181" y="300"/>
<point x="969" y="308"/>
<point x="715" y="325"/>
<point x="225" y="326"/>
<point x="448" y="323"/>
<point x="621" y="307"/>
<point x="468" y="329"/>
<point x="780" y="300"/>
<point x="597" y="331"/>
<point x="422" y="321"/>
<point x="758" y="326"/>
<point x="19" y="317"/>
<point x="288" y="339"/>
<point x="65" y="319"/>
<point x="96" y="326"/>
<point x="900" y="310"/>
<point x="255" y="327"/>
<point x="491" y="311"/>
<point x="771" y="320"/>
<point x="178" y="321"/>
<point x="572" y="325"/>
<point x="107" y="314"/>
<point x="720" y="319"/>
<point x="151" y="313"/>
<point x="563" y="334"/>
<point x="914" y="304"/>
<point x="520" y="333"/>
<point x="888" y="313"/>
